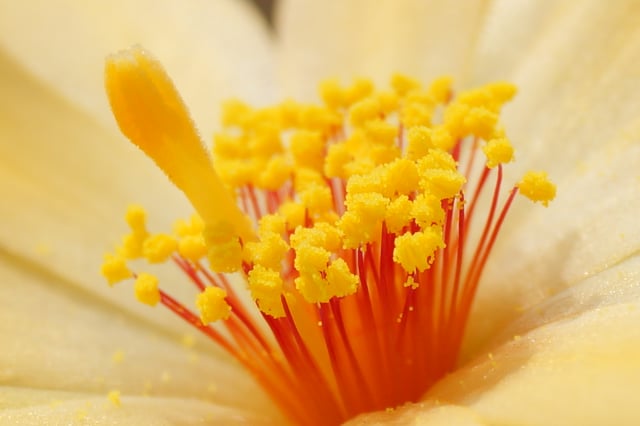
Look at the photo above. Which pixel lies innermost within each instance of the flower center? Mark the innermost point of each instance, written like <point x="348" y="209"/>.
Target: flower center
<point x="350" y="223"/>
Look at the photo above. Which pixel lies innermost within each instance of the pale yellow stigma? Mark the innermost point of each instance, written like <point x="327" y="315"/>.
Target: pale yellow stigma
<point x="151" y="114"/>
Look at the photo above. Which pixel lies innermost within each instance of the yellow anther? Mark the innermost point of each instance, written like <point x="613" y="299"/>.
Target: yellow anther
<point x="266" y="287"/>
<point x="230" y="146"/>
<point x="272" y="223"/>
<point x="442" y="184"/>
<point x="418" y="142"/>
<point x="380" y="132"/>
<point x="398" y="214"/>
<point x="194" y="226"/>
<point x="437" y="159"/>
<point x="341" y="282"/>
<point x="360" y="89"/>
<point x="236" y="113"/>
<point x="212" y="305"/>
<point x="317" y="118"/>
<point x="317" y="199"/>
<point x="269" y="251"/>
<point x="265" y="141"/>
<point x="114" y="269"/>
<point x="356" y="231"/>
<point x="158" y="248"/>
<point x="480" y="122"/>
<point x="427" y="210"/>
<point x="332" y="94"/>
<point x="311" y="259"/>
<point x="151" y="114"/>
<point x="293" y="213"/>
<point x="498" y="151"/>
<point x="136" y="218"/>
<point x="306" y="178"/>
<point x="438" y="174"/>
<point x="131" y="247"/>
<point x="225" y="256"/>
<point x="403" y="84"/>
<point x="400" y="177"/>
<point x="146" y="289"/>
<point x="365" y="183"/>
<point x="276" y="173"/>
<point x="331" y="237"/>
<point x="363" y="111"/>
<point x="416" y="114"/>
<point x="308" y="149"/>
<point x="338" y="156"/>
<point x="192" y="247"/>
<point x="537" y="187"/>
<point x="369" y="206"/>
<point x="312" y="287"/>
<point x="416" y="251"/>
<point x="440" y="89"/>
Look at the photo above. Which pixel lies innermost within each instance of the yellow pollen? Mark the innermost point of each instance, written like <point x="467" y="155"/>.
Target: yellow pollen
<point x="536" y="186"/>
<point x="212" y="305"/>
<point x="498" y="151"/>
<point x="114" y="398"/>
<point x="146" y="289"/>
<point x="114" y="269"/>
<point x="332" y="253"/>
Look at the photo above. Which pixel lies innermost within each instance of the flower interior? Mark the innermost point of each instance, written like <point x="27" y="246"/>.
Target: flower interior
<point x="349" y="223"/>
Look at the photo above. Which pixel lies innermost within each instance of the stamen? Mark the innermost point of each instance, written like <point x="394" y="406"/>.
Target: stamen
<point x="352" y="235"/>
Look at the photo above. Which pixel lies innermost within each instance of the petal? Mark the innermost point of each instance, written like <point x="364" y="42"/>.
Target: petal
<point x="213" y="50"/>
<point x="65" y="182"/>
<point x="59" y="338"/>
<point x="347" y="39"/>
<point x="590" y="227"/>
<point x="37" y="407"/>
<point x="576" y="117"/>
<point x="573" y="360"/>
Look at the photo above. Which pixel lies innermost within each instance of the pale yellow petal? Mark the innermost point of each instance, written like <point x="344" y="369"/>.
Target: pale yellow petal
<point x="573" y="360"/>
<point x="576" y="83"/>
<point x="56" y="337"/>
<point x="510" y="32"/>
<point x="65" y="182"/>
<point x="212" y="49"/>
<point x="591" y="226"/>
<point x="46" y="407"/>
<point x="321" y="39"/>
<point x="575" y="116"/>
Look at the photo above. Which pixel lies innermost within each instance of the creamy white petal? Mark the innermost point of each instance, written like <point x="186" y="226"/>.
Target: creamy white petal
<point x="346" y="39"/>
<point x="46" y="407"/>
<point x="510" y="32"/>
<point x="574" y="359"/>
<point x="56" y="337"/>
<point x="576" y="116"/>
<point x="65" y="182"/>
<point x="212" y="49"/>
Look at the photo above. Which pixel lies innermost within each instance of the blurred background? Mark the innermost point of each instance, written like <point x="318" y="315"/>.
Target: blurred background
<point x="266" y="8"/>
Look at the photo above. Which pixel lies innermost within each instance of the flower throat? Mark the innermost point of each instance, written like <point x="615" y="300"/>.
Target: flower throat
<point x="348" y="223"/>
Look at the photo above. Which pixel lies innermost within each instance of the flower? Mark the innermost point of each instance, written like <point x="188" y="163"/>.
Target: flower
<point x="569" y="275"/>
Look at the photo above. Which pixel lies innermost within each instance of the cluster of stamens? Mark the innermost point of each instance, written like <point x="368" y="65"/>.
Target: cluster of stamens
<point x="352" y="235"/>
